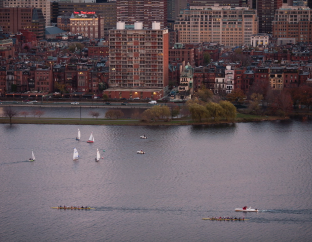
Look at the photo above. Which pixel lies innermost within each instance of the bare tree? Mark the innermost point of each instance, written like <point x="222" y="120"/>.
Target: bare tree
<point x="94" y="114"/>
<point x="10" y="113"/>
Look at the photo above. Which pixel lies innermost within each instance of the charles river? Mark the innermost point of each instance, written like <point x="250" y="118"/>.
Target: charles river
<point x="187" y="173"/>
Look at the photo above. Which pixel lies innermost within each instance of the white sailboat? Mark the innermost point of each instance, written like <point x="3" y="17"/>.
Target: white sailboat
<point x="97" y="155"/>
<point x="91" y="138"/>
<point x="75" y="155"/>
<point x="32" y="156"/>
<point x="79" y="135"/>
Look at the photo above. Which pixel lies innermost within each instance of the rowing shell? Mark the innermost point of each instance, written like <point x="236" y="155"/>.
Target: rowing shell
<point x="69" y="208"/>
<point x="225" y="219"/>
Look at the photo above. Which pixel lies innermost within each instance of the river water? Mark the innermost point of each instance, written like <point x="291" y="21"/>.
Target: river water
<point x="186" y="174"/>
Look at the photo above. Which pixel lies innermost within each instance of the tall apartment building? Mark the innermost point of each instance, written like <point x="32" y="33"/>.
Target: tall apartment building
<point x="44" y="5"/>
<point x="266" y="10"/>
<point x="230" y="26"/>
<point x="89" y="25"/>
<point x="13" y="20"/>
<point x="145" y="11"/>
<point x="293" y="22"/>
<point x="174" y="7"/>
<point x="138" y="57"/>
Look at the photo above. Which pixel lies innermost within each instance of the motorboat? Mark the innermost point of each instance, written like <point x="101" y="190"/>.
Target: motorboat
<point x="143" y="137"/>
<point x="140" y="152"/>
<point x="246" y="209"/>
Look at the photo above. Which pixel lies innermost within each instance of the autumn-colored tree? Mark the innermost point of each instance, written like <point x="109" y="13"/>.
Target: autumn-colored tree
<point x="302" y="96"/>
<point x="214" y="110"/>
<point x="24" y="113"/>
<point x="204" y="94"/>
<point x="38" y="113"/>
<point x="114" y="114"/>
<point x="236" y="96"/>
<point x="156" y="113"/>
<point x="198" y="112"/>
<point x="229" y="110"/>
<point x="282" y="104"/>
<point x="94" y="114"/>
<point x="254" y="104"/>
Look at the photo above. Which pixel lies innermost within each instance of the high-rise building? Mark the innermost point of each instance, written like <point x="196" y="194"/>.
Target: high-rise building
<point x="44" y="5"/>
<point x="266" y="10"/>
<point x="230" y="26"/>
<point x="233" y="3"/>
<point x="138" y="57"/>
<point x="293" y="22"/>
<point x="145" y="11"/>
<point x="13" y="20"/>
<point x="174" y="7"/>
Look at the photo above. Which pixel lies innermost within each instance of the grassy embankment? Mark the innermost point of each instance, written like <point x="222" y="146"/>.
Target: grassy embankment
<point x="99" y="121"/>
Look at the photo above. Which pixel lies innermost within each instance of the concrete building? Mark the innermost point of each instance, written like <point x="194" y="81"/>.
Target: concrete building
<point x="229" y="26"/>
<point x="106" y="10"/>
<point x="266" y="10"/>
<point x="138" y="57"/>
<point x="145" y="11"/>
<point x="259" y="40"/>
<point x="293" y="22"/>
<point x="13" y="20"/>
<point x="89" y="25"/>
<point x="44" y="5"/>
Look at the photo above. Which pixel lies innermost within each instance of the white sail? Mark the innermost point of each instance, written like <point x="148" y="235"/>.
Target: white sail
<point x="79" y="135"/>
<point x="75" y="155"/>
<point x="97" y="155"/>
<point x="91" y="138"/>
<point x="33" y="155"/>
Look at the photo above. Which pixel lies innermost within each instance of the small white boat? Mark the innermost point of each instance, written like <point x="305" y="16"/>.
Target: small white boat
<point x="143" y="137"/>
<point x="32" y="156"/>
<point x="75" y="155"/>
<point x="79" y="135"/>
<point x="140" y="152"/>
<point x="246" y="209"/>
<point x="91" y="138"/>
<point x="97" y="155"/>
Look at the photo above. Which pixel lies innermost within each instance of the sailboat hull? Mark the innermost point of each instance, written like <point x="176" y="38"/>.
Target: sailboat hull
<point x="90" y="141"/>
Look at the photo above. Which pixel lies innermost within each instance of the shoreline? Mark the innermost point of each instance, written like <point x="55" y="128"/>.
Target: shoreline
<point x="133" y="122"/>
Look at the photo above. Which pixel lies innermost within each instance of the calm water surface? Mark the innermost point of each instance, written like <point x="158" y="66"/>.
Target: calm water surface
<point x="186" y="174"/>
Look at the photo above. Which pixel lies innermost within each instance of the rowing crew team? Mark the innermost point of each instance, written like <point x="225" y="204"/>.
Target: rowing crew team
<point x="64" y="207"/>
<point x="227" y="218"/>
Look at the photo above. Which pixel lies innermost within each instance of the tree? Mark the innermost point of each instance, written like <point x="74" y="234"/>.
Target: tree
<point x="94" y="114"/>
<point x="229" y="110"/>
<point x="198" y="112"/>
<point x="207" y="58"/>
<point x="38" y="113"/>
<point x="105" y="97"/>
<point x="24" y="113"/>
<point x="254" y="105"/>
<point x="237" y="96"/>
<point x="204" y="94"/>
<point x="114" y="114"/>
<point x="156" y="113"/>
<point x="214" y="110"/>
<point x="10" y="113"/>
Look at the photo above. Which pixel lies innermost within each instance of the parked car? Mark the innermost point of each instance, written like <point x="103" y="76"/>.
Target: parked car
<point x="136" y="98"/>
<point x="152" y="102"/>
<point x="74" y="103"/>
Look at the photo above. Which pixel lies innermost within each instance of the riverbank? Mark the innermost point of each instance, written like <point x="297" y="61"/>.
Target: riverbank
<point x="99" y="121"/>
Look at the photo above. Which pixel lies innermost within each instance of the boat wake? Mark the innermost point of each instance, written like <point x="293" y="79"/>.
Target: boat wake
<point x="286" y="211"/>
